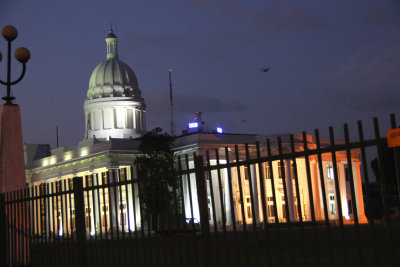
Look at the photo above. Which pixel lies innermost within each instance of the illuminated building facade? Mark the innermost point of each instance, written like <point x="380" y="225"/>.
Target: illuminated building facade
<point x="115" y="115"/>
<point x="202" y="142"/>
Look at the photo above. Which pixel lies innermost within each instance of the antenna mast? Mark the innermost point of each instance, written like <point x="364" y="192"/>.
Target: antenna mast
<point x="172" y="104"/>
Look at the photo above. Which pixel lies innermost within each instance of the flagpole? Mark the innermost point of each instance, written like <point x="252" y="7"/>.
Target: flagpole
<point x="172" y="104"/>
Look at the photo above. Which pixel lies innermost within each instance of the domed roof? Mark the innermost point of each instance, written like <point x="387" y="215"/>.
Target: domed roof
<point x="113" y="77"/>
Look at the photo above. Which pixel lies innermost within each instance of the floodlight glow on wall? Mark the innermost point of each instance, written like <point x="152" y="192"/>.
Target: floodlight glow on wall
<point x="45" y="162"/>
<point x="52" y="160"/>
<point x="67" y="156"/>
<point x="84" y="151"/>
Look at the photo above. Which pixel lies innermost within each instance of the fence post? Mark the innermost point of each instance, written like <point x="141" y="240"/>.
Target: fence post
<point x="80" y="220"/>
<point x="3" y="237"/>
<point x="203" y="208"/>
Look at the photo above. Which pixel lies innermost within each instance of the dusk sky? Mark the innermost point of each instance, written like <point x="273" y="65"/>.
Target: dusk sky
<point x="331" y="62"/>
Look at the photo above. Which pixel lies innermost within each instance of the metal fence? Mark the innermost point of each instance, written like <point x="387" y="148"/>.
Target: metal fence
<point x="246" y="205"/>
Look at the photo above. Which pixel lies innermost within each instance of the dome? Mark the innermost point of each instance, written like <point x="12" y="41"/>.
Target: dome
<point x="113" y="78"/>
<point x="114" y="107"/>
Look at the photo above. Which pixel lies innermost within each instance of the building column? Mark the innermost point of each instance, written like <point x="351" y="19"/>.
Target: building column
<point x="343" y="189"/>
<point x="96" y="208"/>
<point x="49" y="210"/>
<point x="253" y="172"/>
<point x="112" y="197"/>
<point x="134" y="200"/>
<point x="316" y="191"/>
<point x="289" y="189"/>
<point x="228" y="208"/>
<point x="359" y="194"/>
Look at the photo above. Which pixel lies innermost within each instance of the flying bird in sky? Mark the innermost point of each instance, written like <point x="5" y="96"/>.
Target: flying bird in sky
<point x="264" y="69"/>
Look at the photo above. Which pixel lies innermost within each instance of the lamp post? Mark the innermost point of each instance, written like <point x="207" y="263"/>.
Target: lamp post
<point x="22" y="54"/>
<point x="12" y="167"/>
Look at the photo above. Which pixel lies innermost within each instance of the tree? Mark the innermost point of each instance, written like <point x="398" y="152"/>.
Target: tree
<point x="158" y="176"/>
<point x="389" y="184"/>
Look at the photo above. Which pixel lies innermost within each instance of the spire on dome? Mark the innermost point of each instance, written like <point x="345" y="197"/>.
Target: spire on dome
<point x="111" y="41"/>
<point x="111" y="33"/>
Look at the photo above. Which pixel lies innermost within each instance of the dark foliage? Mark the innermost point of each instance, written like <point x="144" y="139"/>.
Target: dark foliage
<point x="388" y="188"/>
<point x="158" y="175"/>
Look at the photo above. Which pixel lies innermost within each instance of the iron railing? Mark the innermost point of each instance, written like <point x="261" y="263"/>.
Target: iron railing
<point x="267" y="204"/>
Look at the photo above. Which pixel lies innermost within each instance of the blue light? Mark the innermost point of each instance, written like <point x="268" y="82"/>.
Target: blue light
<point x="219" y="130"/>
<point x="193" y="125"/>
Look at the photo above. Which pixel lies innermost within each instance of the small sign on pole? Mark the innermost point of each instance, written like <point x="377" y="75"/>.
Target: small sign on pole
<point x="393" y="137"/>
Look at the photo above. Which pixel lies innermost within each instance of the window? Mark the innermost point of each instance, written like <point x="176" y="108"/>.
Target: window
<point x="296" y="211"/>
<point x="103" y="221"/>
<point x="89" y="180"/>
<point x="248" y="200"/>
<point x="350" y="206"/>
<point x="104" y="177"/>
<point x="87" y="217"/>
<point x="292" y="171"/>
<point x="329" y="170"/>
<point x="271" y="211"/>
<point x="58" y="186"/>
<point x="346" y="172"/>
<point x="332" y="208"/>
<point x="122" y="174"/>
<point x="246" y="173"/>
<point x="73" y="224"/>
<point x="280" y="170"/>
<point x="42" y="188"/>
<point x="249" y="215"/>
<point x="87" y="221"/>
<point x="284" y="211"/>
<point x="71" y="183"/>
<point x="332" y="204"/>
<point x="270" y="199"/>
<point x="122" y="219"/>
<point x="267" y="171"/>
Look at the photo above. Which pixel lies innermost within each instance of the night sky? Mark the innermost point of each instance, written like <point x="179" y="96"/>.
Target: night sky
<point x="332" y="62"/>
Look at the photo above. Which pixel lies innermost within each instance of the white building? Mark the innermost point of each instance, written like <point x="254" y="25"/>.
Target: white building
<point x="115" y="115"/>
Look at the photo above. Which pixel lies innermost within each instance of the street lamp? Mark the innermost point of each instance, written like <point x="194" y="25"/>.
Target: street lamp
<point x="22" y="54"/>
